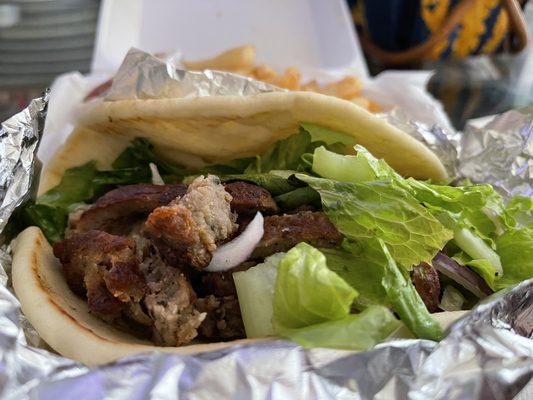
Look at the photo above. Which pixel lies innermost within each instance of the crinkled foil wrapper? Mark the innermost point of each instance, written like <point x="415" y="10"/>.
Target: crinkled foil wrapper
<point x="488" y="354"/>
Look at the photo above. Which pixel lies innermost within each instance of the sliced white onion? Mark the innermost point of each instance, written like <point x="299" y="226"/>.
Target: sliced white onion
<point x="156" y="177"/>
<point x="238" y="250"/>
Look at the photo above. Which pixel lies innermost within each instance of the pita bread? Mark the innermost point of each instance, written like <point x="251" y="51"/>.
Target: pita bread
<point x="63" y="319"/>
<point x="195" y="131"/>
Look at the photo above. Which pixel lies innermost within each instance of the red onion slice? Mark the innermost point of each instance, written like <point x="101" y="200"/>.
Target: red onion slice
<point x="464" y="276"/>
<point x="238" y="250"/>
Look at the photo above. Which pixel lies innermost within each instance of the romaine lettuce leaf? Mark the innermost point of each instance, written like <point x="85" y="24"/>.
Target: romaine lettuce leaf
<point x="312" y="305"/>
<point x="353" y="332"/>
<point x="284" y="154"/>
<point x="520" y="208"/>
<point x="515" y="248"/>
<point x="360" y="264"/>
<point x="307" y="292"/>
<point x="330" y="165"/>
<point x="298" y="197"/>
<point x="321" y="134"/>
<point x="255" y="291"/>
<point x="406" y="300"/>
<point x="378" y="209"/>
<point x="140" y="153"/>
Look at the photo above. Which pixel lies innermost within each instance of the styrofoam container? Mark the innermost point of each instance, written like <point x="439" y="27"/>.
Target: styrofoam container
<point x="315" y="34"/>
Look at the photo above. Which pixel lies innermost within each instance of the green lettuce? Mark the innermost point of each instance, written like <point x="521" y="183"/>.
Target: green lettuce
<point x="140" y="153"/>
<point x="307" y="291"/>
<point x="312" y="305"/>
<point x="353" y="332"/>
<point x="361" y="265"/>
<point x="520" y="208"/>
<point x="255" y="291"/>
<point x="515" y="248"/>
<point x="475" y="213"/>
<point x="378" y="209"/>
<point x="369" y="268"/>
<point x="329" y="137"/>
<point x="78" y="185"/>
<point x="406" y="300"/>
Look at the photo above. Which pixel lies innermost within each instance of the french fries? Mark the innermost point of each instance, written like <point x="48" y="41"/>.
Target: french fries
<point x="236" y="59"/>
<point x="241" y="60"/>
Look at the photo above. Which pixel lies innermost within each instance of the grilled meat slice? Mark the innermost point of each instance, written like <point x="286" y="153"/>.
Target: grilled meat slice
<point x="282" y="232"/>
<point x="114" y="212"/>
<point x="221" y="284"/>
<point x="169" y="301"/>
<point x="187" y="231"/>
<point x="104" y="268"/>
<point x="223" y="318"/>
<point x="249" y="198"/>
<point x="425" y="278"/>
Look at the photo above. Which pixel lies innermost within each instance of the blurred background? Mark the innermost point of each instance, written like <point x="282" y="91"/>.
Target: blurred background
<point x="41" y="39"/>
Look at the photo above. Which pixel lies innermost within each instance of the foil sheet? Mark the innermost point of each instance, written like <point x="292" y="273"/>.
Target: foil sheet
<point x="500" y="153"/>
<point x="444" y="143"/>
<point x="143" y="76"/>
<point x="19" y="138"/>
<point x="486" y="355"/>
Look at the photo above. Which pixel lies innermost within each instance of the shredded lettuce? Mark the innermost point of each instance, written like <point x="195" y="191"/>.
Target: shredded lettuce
<point x="255" y="291"/>
<point x="78" y="185"/>
<point x="312" y="305"/>
<point x="515" y="248"/>
<point x="378" y="209"/>
<point x="328" y="164"/>
<point x="307" y="291"/>
<point x="321" y="134"/>
<point x="520" y="208"/>
<point x="475" y="213"/>
<point x="353" y="332"/>
<point x="406" y="300"/>
<point x="298" y="197"/>
<point x="295" y="295"/>
<point x="360" y="264"/>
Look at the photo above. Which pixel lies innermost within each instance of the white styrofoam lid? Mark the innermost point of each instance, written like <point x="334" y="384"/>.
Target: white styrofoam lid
<point x="315" y="34"/>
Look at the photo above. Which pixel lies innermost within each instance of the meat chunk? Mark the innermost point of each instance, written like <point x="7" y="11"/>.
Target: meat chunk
<point x="223" y="318"/>
<point x="169" y="300"/>
<point x="187" y="231"/>
<point x="282" y="232"/>
<point x="104" y="268"/>
<point x="249" y="198"/>
<point x="426" y="281"/>
<point x="114" y="211"/>
<point x="221" y="284"/>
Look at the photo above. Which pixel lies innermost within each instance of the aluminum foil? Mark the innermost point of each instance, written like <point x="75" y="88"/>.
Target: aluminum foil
<point x="445" y="144"/>
<point x="501" y="153"/>
<point x="19" y="138"/>
<point x="143" y="76"/>
<point x="486" y="355"/>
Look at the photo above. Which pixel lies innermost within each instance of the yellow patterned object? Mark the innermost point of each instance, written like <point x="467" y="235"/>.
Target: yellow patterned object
<point x="407" y="31"/>
<point x="475" y="27"/>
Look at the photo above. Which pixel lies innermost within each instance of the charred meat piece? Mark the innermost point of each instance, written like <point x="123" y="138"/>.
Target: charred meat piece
<point x="103" y="267"/>
<point x="114" y="211"/>
<point x="223" y="318"/>
<point x="282" y="232"/>
<point x="426" y="281"/>
<point x="221" y="284"/>
<point x="187" y="231"/>
<point x="169" y="301"/>
<point x="249" y="198"/>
